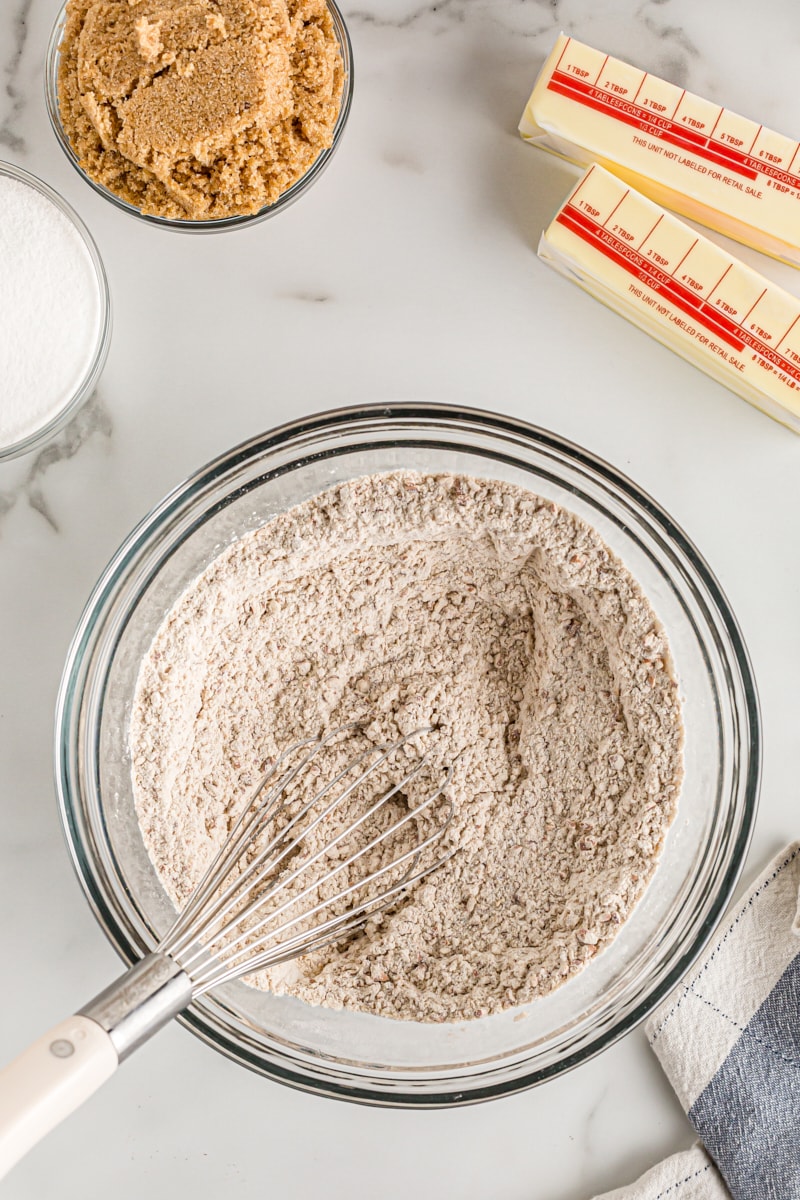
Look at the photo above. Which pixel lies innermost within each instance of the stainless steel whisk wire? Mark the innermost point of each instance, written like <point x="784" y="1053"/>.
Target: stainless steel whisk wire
<point x="186" y="942"/>
<point x="238" y="920"/>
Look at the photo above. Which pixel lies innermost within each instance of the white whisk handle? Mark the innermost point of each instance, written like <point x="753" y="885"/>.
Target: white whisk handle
<point x="50" y="1080"/>
<point x="57" y="1073"/>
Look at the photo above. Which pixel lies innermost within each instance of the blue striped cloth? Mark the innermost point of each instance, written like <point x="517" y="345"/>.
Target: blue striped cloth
<point x="728" y="1038"/>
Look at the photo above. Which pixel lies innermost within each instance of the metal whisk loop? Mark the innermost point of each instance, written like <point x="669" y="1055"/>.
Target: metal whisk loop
<point x="176" y="936"/>
<point x="243" y="834"/>
<point x="287" y="880"/>
<point x="334" y="927"/>
<point x="251" y="876"/>
<point x="330" y="931"/>
<point x="250" y="824"/>
<point x="216" y="937"/>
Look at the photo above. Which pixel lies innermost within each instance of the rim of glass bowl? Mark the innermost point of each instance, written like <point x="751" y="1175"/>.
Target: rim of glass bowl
<point x="379" y="426"/>
<point x="220" y="225"/>
<point x="45" y="432"/>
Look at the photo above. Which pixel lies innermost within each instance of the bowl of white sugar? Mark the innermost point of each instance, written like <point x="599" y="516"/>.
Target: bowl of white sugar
<point x="55" y="312"/>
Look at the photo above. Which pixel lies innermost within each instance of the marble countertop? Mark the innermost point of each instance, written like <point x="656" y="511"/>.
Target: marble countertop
<point x="410" y="271"/>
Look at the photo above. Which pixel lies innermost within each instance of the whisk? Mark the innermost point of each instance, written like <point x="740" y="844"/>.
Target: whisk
<point x="268" y="896"/>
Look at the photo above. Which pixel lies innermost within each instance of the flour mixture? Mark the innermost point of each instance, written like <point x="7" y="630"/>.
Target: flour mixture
<point x="480" y="609"/>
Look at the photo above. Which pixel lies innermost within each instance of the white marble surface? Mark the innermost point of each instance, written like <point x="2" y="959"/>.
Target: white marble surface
<point x="411" y="271"/>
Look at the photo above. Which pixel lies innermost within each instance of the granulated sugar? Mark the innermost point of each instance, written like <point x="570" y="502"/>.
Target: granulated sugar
<point x="408" y="600"/>
<point x="50" y="310"/>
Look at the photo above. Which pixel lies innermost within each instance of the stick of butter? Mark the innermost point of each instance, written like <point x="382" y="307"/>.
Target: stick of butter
<point x="686" y="153"/>
<point x="681" y="288"/>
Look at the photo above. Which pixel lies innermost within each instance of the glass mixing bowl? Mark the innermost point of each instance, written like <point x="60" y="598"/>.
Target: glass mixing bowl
<point x="359" y="1056"/>
<point x="52" y="64"/>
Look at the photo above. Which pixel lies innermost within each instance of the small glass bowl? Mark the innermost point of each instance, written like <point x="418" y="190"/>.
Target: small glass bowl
<point x="221" y="224"/>
<point x="353" y="1055"/>
<point x="96" y="361"/>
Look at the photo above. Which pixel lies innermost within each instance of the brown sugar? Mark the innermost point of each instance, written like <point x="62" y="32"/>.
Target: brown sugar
<point x="203" y="109"/>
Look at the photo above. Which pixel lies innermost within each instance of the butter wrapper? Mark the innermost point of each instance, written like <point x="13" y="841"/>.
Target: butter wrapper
<point x="682" y="289"/>
<point x="686" y="153"/>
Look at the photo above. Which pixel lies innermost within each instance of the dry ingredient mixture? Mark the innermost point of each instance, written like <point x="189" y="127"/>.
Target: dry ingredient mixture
<point x="200" y="109"/>
<point x="473" y="606"/>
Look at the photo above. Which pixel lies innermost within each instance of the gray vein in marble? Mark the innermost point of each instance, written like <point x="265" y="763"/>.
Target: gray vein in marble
<point x="397" y="158"/>
<point x="379" y="20"/>
<point x="671" y="51"/>
<point x="458" y="11"/>
<point x="93" y="418"/>
<point x="674" y="68"/>
<point x="8" y="136"/>
<point x="672" y="64"/>
<point x="308" y="297"/>
<point x="588" y="1150"/>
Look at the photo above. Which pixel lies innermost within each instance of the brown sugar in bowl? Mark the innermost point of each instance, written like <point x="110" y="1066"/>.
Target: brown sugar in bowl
<point x="160" y="162"/>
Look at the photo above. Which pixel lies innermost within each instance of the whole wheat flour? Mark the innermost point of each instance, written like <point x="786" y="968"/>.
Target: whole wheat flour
<point x="199" y="109"/>
<point x="473" y="606"/>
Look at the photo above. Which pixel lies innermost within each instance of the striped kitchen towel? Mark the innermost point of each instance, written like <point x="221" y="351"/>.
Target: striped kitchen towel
<point x="729" y="1040"/>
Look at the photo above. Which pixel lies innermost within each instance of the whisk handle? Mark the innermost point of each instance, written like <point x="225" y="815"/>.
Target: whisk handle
<point x="50" y="1080"/>
<point x="53" y="1077"/>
